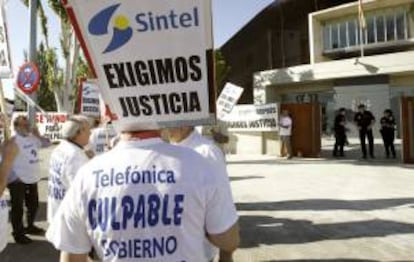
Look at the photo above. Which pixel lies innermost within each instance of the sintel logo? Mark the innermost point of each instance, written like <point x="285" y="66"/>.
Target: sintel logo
<point x="144" y="21"/>
<point x="122" y="32"/>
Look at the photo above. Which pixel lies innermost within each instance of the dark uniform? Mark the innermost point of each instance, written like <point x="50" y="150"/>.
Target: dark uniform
<point x="388" y="134"/>
<point x="363" y="121"/>
<point x="340" y="135"/>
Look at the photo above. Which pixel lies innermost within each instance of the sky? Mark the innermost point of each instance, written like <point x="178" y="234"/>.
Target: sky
<point x="229" y="16"/>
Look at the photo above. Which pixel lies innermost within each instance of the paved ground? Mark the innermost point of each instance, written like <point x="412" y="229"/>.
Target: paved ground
<point x="307" y="210"/>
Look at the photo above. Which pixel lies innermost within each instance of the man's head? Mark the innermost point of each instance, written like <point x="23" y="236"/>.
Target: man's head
<point x="361" y="108"/>
<point x="77" y="129"/>
<point x="342" y="111"/>
<point x="285" y="112"/>
<point x="21" y="125"/>
<point x="387" y="112"/>
<point x="177" y="134"/>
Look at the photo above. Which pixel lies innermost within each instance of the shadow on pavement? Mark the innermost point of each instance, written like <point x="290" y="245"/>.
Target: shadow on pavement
<point x="324" y="260"/>
<point x="41" y="212"/>
<point x="326" y="204"/>
<point x="239" y="178"/>
<point x="331" y="260"/>
<point x="259" y="230"/>
<point x="38" y="251"/>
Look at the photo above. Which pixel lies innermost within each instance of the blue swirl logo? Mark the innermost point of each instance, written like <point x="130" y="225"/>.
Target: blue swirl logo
<point x="101" y="23"/>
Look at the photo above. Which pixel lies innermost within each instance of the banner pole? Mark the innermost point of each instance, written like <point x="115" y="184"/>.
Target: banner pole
<point x="6" y="124"/>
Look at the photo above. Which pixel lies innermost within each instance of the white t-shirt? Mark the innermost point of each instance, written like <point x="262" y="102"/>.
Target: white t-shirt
<point x="65" y="161"/>
<point x="100" y="138"/>
<point x="285" y="121"/>
<point x="26" y="166"/>
<point x="145" y="200"/>
<point x="4" y="218"/>
<point x="212" y="153"/>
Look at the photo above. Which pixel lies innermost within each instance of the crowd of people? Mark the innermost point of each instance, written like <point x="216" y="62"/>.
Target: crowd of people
<point x="153" y="193"/>
<point x="364" y="120"/>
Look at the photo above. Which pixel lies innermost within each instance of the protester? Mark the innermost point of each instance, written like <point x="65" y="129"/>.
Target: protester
<point x="340" y="133"/>
<point x="388" y="132"/>
<point x="146" y="199"/>
<point x="365" y="120"/>
<point x="188" y="137"/>
<point x="65" y="161"/>
<point x="285" y="133"/>
<point x="4" y="212"/>
<point x="21" y="165"/>
<point x="101" y="137"/>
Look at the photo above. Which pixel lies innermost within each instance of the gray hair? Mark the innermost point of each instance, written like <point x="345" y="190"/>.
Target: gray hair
<point x="73" y="125"/>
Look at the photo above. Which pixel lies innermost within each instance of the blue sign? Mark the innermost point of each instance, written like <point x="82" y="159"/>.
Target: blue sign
<point x="28" y="78"/>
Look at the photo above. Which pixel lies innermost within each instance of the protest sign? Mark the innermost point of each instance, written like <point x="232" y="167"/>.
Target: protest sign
<point x="228" y="99"/>
<point x="153" y="59"/>
<point x="253" y="118"/>
<point x="89" y="99"/>
<point x="49" y="124"/>
<point x="5" y="63"/>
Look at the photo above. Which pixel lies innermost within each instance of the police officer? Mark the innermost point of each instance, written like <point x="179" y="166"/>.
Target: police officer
<point x="146" y="200"/>
<point x="365" y="120"/>
<point x="388" y="132"/>
<point x="340" y="133"/>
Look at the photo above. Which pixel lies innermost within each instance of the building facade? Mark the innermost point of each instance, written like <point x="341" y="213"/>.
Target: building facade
<point x="325" y="57"/>
<point x="349" y="65"/>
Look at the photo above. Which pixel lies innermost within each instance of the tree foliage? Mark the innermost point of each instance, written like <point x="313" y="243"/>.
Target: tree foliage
<point x="45" y="96"/>
<point x="222" y="70"/>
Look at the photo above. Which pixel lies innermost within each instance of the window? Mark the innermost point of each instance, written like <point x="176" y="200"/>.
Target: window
<point x="343" y="39"/>
<point x="382" y="26"/>
<point x="334" y="36"/>
<point x="400" y="26"/>
<point x="352" y="33"/>
<point x="390" y="27"/>
<point x="327" y="37"/>
<point x="371" y="30"/>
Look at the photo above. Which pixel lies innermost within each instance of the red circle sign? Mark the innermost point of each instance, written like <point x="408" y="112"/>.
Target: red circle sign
<point x="28" y="78"/>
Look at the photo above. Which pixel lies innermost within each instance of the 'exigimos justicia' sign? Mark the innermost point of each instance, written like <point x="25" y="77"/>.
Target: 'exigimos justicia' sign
<point x="153" y="58"/>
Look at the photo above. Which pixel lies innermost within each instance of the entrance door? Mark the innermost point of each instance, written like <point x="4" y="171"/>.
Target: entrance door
<point x="407" y="123"/>
<point x="306" y="128"/>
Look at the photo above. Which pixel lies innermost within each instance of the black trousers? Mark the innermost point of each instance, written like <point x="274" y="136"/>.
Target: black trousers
<point x="388" y="137"/>
<point x="21" y="193"/>
<point x="340" y="138"/>
<point x="365" y="133"/>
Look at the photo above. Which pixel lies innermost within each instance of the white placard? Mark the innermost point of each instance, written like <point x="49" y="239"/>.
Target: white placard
<point x="5" y="63"/>
<point x="90" y="101"/>
<point x="49" y="124"/>
<point x="253" y="118"/>
<point x="153" y="59"/>
<point x="228" y="99"/>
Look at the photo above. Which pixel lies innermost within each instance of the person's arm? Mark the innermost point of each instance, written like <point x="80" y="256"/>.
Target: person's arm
<point x="67" y="257"/>
<point x="44" y="142"/>
<point x="227" y="242"/>
<point x="9" y="154"/>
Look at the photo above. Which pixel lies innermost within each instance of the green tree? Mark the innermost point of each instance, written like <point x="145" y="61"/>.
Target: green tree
<point x="45" y="95"/>
<point x="222" y="70"/>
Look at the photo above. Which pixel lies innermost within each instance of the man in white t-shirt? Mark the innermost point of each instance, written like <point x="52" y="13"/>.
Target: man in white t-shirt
<point x="285" y="133"/>
<point x="65" y="161"/>
<point x="4" y="212"/>
<point x="145" y="200"/>
<point x="21" y="165"/>
<point x="188" y="137"/>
